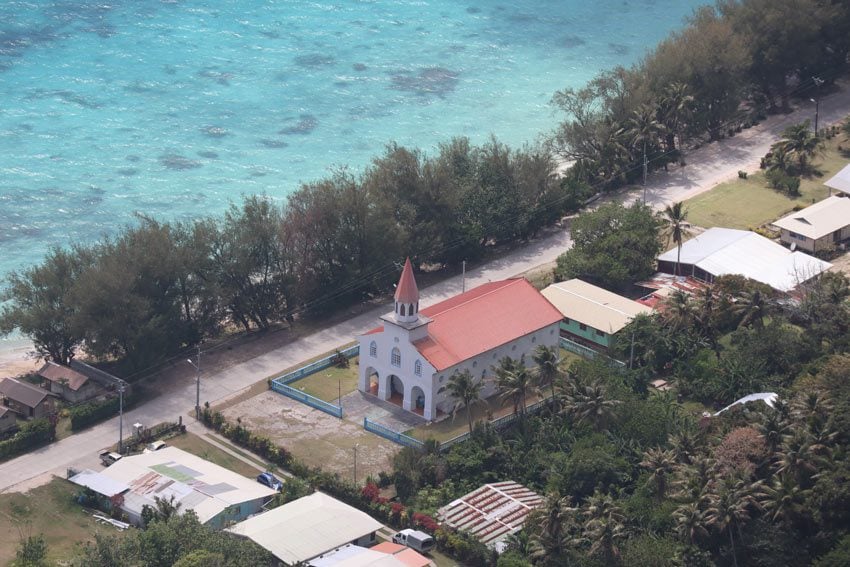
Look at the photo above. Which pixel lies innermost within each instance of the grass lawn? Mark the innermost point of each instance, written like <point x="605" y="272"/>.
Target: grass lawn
<point x="326" y="384"/>
<point x="48" y="510"/>
<point x="750" y="203"/>
<point x="191" y="443"/>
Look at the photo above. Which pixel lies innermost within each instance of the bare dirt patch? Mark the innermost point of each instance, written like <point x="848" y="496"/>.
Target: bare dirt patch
<point x="842" y="264"/>
<point x="314" y="437"/>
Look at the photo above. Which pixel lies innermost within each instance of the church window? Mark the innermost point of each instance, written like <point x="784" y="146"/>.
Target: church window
<point x="403" y="308"/>
<point x="417" y="368"/>
<point x="474" y="363"/>
<point x="395" y="357"/>
<point x="373" y="349"/>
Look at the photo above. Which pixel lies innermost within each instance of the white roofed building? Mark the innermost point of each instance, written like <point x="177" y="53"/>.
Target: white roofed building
<point x="308" y="528"/>
<point x="840" y="181"/>
<point x="722" y="251"/>
<point x="823" y="226"/>
<point x="218" y="496"/>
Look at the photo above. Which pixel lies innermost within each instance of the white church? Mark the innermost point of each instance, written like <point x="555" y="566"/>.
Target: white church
<point x="413" y="354"/>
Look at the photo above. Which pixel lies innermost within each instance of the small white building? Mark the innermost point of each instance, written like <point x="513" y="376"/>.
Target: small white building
<point x="308" y="528"/>
<point x="414" y="353"/>
<point x="822" y="226"/>
<point x="840" y="181"/>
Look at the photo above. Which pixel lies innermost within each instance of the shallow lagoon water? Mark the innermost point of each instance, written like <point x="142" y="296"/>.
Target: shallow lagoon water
<point x="175" y="108"/>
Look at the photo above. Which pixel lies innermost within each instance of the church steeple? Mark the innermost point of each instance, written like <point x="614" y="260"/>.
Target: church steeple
<point x="407" y="296"/>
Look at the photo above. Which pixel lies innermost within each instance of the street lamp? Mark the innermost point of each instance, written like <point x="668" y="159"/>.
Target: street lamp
<point x="197" y="384"/>
<point x="818" y="82"/>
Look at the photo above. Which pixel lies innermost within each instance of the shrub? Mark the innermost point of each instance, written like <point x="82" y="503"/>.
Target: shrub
<point x="742" y="174"/>
<point x="94" y="412"/>
<point x="33" y="434"/>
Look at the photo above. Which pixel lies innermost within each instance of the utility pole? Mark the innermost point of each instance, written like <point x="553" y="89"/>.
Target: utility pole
<point x="355" y="463"/>
<point x="197" y="384"/>
<point x="818" y="82"/>
<point x="463" y="277"/>
<point x="121" y="418"/>
<point x="632" y="350"/>
<point x="645" y="169"/>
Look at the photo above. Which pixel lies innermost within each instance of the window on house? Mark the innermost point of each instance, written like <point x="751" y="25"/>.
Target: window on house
<point x="474" y="363"/>
<point x="600" y="333"/>
<point x="403" y="307"/>
<point x="567" y="320"/>
<point x="373" y="349"/>
<point x="395" y="357"/>
<point x="417" y="368"/>
<point x="582" y="326"/>
<point x="534" y="339"/>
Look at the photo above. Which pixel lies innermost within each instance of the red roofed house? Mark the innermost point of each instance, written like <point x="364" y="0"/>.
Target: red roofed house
<point x="415" y="353"/>
<point x="68" y="383"/>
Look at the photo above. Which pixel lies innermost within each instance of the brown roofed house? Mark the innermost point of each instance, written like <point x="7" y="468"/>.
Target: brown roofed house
<point x="25" y="399"/>
<point x="7" y="419"/>
<point x="69" y="384"/>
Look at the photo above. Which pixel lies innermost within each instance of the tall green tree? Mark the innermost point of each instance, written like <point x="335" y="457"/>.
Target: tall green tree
<point x="465" y="390"/>
<point x="675" y="217"/>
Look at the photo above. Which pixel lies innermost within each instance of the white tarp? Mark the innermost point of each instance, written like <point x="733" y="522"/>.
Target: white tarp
<point x="767" y="397"/>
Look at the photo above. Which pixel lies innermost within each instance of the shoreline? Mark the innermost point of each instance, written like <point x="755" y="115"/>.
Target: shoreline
<point x="16" y="357"/>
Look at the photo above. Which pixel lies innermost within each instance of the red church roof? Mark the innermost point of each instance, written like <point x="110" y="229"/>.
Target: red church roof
<point x="482" y="319"/>
<point x="406" y="291"/>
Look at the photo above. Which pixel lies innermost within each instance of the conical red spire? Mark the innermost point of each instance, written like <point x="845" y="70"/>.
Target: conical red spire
<point x="406" y="291"/>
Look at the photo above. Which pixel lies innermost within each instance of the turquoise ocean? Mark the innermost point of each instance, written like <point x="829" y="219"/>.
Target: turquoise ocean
<point x="175" y="108"/>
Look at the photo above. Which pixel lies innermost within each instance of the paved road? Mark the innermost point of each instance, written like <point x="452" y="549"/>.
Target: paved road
<point x="707" y="166"/>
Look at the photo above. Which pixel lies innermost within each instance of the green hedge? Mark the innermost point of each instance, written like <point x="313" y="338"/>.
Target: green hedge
<point x="93" y="412"/>
<point x="33" y="434"/>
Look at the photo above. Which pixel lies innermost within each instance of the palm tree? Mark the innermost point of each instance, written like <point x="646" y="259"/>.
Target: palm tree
<point x="603" y="526"/>
<point x="660" y="464"/>
<point x="554" y="521"/>
<point x="677" y="310"/>
<point x="691" y="522"/>
<point x="548" y="368"/>
<point x="800" y="141"/>
<point x="774" y="429"/>
<point x="466" y="391"/>
<point x="684" y="444"/>
<point x="752" y="307"/>
<point x="514" y="380"/>
<point x="729" y="508"/>
<point x="780" y="159"/>
<point x="676" y="108"/>
<point x="643" y="130"/>
<point x="589" y="403"/>
<point x="798" y="457"/>
<point x="783" y="499"/>
<point x="675" y="216"/>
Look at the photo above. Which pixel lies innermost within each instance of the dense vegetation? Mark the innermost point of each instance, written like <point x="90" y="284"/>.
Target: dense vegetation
<point x="633" y="477"/>
<point x="727" y="69"/>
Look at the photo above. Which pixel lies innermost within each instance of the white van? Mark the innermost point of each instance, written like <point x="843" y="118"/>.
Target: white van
<point x="415" y="539"/>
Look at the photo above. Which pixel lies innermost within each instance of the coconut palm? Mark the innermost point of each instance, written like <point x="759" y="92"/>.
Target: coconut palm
<point x="752" y="307"/>
<point x="604" y="526"/>
<point x="675" y="216"/>
<point x="675" y="109"/>
<point x="799" y="141"/>
<point x="660" y="463"/>
<point x="515" y="382"/>
<point x="643" y="131"/>
<point x="783" y="499"/>
<point x="692" y="522"/>
<point x="779" y="159"/>
<point x="774" y="429"/>
<point x="684" y="444"/>
<point x="588" y="403"/>
<point x="548" y="368"/>
<point x="678" y="311"/>
<point x="466" y="391"/>
<point x="694" y="480"/>
<point x="798" y="457"/>
<point x="730" y="507"/>
<point x="554" y="521"/>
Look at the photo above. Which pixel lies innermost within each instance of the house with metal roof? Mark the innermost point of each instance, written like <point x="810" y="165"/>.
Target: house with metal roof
<point x="592" y="316"/>
<point x="308" y="528"/>
<point x="492" y="512"/>
<point x="69" y="384"/>
<point x="820" y="227"/>
<point x="384" y="554"/>
<point x="7" y="420"/>
<point x="409" y="359"/>
<point x="217" y="495"/>
<point x="721" y="251"/>
<point x="25" y="399"/>
<point x="840" y="181"/>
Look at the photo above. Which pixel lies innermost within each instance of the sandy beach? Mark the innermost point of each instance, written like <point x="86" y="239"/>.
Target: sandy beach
<point x="16" y="357"/>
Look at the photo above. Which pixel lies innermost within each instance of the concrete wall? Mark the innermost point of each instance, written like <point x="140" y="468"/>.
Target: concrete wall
<point x="806" y="244"/>
<point x="589" y="334"/>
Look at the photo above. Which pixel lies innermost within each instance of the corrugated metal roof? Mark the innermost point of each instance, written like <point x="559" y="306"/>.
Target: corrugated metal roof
<point x="195" y="483"/>
<point x="57" y="373"/>
<point x="491" y="512"/>
<point x="594" y="306"/>
<point x="721" y="251"/>
<point x="483" y="319"/>
<point x="307" y="527"/>
<point x="841" y="180"/>
<point x="22" y="392"/>
<point x="819" y="220"/>
<point x="99" y="482"/>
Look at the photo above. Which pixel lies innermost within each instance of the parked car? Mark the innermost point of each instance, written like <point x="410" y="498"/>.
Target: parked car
<point x="108" y="457"/>
<point x="155" y="446"/>
<point x="270" y="480"/>
<point x="414" y="539"/>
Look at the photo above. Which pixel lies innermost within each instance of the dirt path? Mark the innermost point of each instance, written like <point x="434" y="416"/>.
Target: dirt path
<point x="708" y="166"/>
